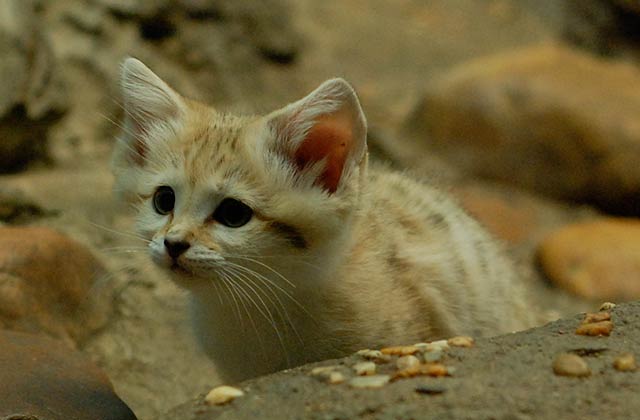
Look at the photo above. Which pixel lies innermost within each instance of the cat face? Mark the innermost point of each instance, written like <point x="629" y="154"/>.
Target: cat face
<point x="220" y="195"/>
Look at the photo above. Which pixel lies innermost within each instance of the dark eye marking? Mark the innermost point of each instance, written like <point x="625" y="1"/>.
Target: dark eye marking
<point x="292" y="234"/>
<point x="233" y="213"/>
<point x="164" y="200"/>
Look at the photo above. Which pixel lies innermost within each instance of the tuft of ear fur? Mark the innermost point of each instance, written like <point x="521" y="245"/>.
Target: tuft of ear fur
<point x="326" y="128"/>
<point x="148" y="102"/>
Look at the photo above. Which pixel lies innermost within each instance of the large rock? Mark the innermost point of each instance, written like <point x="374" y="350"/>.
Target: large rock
<point x="43" y="379"/>
<point x="31" y="95"/>
<point x="546" y="118"/>
<point x="51" y="284"/>
<point x="505" y="377"/>
<point x="598" y="260"/>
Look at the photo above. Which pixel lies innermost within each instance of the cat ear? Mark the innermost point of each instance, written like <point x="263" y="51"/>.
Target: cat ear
<point x="148" y="101"/>
<point x="326" y="126"/>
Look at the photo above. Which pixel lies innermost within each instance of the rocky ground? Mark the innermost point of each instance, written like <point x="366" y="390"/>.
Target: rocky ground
<point x="527" y="111"/>
<point x="509" y="377"/>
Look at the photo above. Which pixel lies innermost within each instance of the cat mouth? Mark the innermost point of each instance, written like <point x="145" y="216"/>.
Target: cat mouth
<point x="178" y="269"/>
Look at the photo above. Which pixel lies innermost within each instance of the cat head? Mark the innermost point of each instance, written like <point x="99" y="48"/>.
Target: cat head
<point x="214" y="190"/>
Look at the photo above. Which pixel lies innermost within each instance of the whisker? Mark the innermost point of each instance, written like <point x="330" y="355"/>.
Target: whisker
<point x="268" y="268"/>
<point x="280" y="307"/>
<point x="117" y="232"/>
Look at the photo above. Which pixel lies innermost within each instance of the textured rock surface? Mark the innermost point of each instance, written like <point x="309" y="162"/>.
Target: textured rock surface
<point x="504" y="377"/>
<point x="597" y="260"/>
<point x="43" y="379"/>
<point x="50" y="283"/>
<point x="33" y="99"/>
<point x="547" y="118"/>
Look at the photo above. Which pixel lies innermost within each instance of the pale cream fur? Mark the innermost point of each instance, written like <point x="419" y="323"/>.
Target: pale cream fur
<point x="315" y="274"/>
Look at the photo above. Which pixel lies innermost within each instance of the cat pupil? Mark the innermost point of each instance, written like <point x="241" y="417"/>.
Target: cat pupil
<point x="233" y="213"/>
<point x="164" y="200"/>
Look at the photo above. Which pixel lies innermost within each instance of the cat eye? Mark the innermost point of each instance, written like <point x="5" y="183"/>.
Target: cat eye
<point x="164" y="199"/>
<point x="233" y="213"/>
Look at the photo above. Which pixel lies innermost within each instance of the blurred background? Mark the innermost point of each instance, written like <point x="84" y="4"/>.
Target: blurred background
<point x="528" y="111"/>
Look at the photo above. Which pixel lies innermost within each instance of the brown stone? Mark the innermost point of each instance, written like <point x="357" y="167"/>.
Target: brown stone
<point x="547" y="118"/>
<point x="42" y="378"/>
<point x="596" y="260"/>
<point x="625" y="363"/>
<point x="595" y="329"/>
<point x="50" y="283"/>
<point x="569" y="364"/>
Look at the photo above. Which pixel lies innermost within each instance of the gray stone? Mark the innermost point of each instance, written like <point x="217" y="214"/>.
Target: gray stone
<point x="509" y="376"/>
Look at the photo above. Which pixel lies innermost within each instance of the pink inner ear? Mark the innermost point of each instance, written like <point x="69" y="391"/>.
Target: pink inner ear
<point x="331" y="139"/>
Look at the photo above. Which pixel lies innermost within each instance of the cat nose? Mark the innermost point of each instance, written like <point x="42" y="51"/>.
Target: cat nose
<point x="176" y="248"/>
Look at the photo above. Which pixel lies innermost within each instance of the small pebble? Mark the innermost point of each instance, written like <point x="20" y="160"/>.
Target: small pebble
<point x="323" y="370"/>
<point x="335" y="378"/>
<point x="461" y="341"/>
<point x="399" y="350"/>
<point x="222" y="395"/>
<point x="568" y="364"/>
<point x="625" y="363"/>
<point x="430" y="389"/>
<point x="406" y="362"/>
<point x="596" y="317"/>
<point x="375" y="355"/>
<point x="595" y="328"/>
<point x="607" y="306"/>
<point x="365" y="368"/>
<point x="439" y="345"/>
<point x="374" y="381"/>
<point x="422" y="347"/>
<point x="433" y="356"/>
<point x="428" y="369"/>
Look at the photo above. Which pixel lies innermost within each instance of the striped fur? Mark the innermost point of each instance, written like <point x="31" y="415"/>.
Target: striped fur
<point x="323" y="268"/>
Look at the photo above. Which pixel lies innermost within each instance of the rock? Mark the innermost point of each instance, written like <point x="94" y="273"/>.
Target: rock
<point x="42" y="378"/>
<point x="568" y="364"/>
<point x="436" y="346"/>
<point x="607" y="306"/>
<point x="461" y="341"/>
<point x="547" y="118"/>
<point x="222" y="395"/>
<point x="364" y="368"/>
<point x="590" y="318"/>
<point x="399" y="350"/>
<point x="268" y="25"/>
<point x="35" y="97"/>
<point x="406" y="362"/>
<point x="373" y="381"/>
<point x="519" y="363"/>
<point x="625" y="363"/>
<point x="51" y="284"/>
<point x="374" y="355"/>
<point x="595" y="329"/>
<point x="596" y="260"/>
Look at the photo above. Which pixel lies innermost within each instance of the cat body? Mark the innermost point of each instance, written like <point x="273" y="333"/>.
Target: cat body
<point x="294" y="248"/>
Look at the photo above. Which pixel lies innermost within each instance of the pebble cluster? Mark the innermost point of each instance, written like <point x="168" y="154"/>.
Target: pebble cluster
<point x="593" y="325"/>
<point x="420" y="359"/>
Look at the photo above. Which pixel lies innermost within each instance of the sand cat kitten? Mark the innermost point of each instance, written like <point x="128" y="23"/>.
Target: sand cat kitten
<point x="292" y="247"/>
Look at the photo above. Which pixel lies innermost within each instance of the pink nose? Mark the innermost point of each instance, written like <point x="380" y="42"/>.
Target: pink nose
<point x="176" y="248"/>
